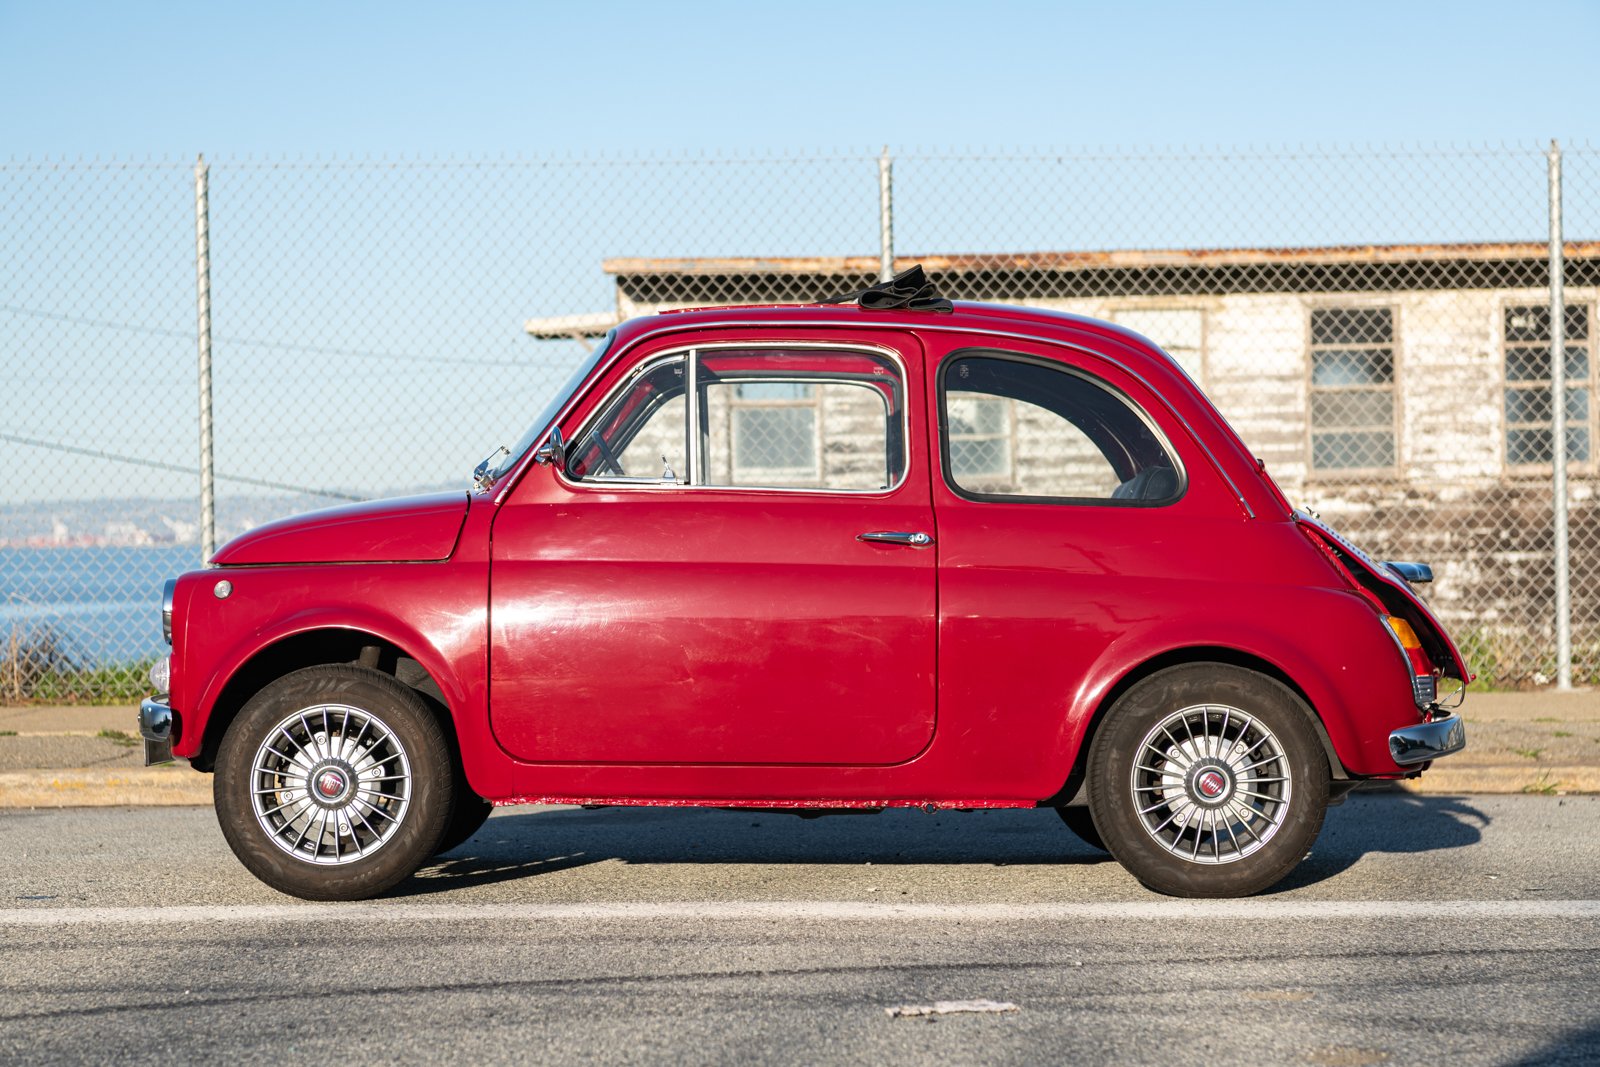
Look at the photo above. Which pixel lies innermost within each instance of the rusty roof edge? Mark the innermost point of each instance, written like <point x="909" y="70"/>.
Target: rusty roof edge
<point x="1092" y="260"/>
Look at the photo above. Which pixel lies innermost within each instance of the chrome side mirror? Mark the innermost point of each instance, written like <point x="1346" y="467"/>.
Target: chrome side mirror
<point x="553" y="450"/>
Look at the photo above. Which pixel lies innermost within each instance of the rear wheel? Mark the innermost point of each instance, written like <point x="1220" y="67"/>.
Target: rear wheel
<point x="334" y="783"/>
<point x="1208" y="780"/>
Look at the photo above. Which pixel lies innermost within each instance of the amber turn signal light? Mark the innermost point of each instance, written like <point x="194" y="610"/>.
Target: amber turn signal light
<point x="1403" y="631"/>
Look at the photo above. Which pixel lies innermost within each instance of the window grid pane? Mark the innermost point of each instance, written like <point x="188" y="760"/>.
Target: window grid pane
<point x="1352" y="389"/>
<point x="1528" y="385"/>
<point x="767" y="440"/>
<point x="980" y="437"/>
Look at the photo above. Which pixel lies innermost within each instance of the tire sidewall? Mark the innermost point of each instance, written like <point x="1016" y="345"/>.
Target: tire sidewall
<point x="1116" y="746"/>
<point x="414" y="728"/>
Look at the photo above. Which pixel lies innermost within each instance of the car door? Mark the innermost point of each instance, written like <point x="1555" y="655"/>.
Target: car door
<point x="726" y="570"/>
<point x="1069" y="520"/>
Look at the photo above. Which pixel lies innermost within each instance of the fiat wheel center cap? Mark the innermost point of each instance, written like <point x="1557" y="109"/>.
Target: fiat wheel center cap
<point x="1210" y="785"/>
<point x="330" y="783"/>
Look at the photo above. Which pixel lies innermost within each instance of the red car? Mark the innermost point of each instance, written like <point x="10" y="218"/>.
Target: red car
<point x="896" y="553"/>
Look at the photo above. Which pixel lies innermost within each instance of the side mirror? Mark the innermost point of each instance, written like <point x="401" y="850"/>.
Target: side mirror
<point x="553" y="450"/>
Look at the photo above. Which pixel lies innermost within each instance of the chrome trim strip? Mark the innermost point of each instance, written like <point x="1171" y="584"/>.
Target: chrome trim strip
<point x="168" y="590"/>
<point x="691" y="457"/>
<point x="155" y="726"/>
<point x="1428" y="740"/>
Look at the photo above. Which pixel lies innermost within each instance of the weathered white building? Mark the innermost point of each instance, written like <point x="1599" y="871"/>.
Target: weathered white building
<point x="1402" y="391"/>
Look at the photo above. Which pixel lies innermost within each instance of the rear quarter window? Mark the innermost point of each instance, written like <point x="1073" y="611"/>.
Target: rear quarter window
<point x="1016" y="428"/>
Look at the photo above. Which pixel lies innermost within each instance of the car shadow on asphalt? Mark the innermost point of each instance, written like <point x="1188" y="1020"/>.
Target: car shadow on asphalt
<point x="529" y="843"/>
<point x="525" y="844"/>
<point x="1387" y="820"/>
<point x="1581" y="1046"/>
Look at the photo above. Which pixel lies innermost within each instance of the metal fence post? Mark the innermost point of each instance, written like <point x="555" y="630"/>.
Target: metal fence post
<point x="1558" y="428"/>
<point x="202" y="268"/>
<point x="885" y="216"/>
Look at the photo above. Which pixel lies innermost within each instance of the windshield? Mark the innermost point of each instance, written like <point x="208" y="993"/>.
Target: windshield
<point x="542" y="421"/>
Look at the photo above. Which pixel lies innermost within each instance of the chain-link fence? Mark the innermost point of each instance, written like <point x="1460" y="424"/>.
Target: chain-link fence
<point x="1375" y="322"/>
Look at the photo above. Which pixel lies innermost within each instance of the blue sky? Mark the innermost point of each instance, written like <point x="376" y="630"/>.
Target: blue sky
<point x="360" y="298"/>
<point x="170" y="79"/>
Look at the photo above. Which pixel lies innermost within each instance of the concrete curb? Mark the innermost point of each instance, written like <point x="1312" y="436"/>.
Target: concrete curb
<point x="178" y="785"/>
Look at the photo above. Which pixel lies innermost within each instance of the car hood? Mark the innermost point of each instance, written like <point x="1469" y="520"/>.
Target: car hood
<point x="405" y="530"/>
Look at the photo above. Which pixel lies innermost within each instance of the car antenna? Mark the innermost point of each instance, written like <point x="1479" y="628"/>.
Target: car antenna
<point x="910" y="289"/>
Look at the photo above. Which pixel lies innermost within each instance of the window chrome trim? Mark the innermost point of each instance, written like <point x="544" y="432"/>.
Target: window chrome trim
<point x="691" y="458"/>
<point x="692" y="353"/>
<point x="928" y="327"/>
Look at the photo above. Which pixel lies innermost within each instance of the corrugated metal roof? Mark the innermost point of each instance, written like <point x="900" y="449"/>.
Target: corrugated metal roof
<point x="1089" y="260"/>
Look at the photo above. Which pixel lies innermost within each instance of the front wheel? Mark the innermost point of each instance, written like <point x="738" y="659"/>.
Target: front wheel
<point x="334" y="783"/>
<point x="1208" y="780"/>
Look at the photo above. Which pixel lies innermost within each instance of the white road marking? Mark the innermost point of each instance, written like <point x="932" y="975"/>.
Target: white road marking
<point x="832" y="911"/>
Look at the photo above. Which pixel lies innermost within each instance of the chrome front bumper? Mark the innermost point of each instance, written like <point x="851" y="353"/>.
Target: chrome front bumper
<point x="1428" y="740"/>
<point x="155" y="726"/>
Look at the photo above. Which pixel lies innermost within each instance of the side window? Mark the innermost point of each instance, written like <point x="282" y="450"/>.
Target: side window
<point x="799" y="419"/>
<point x="643" y="432"/>
<point x="770" y="418"/>
<point x="1014" y="428"/>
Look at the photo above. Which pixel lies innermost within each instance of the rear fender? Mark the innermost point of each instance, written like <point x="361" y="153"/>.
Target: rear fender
<point x="1364" y="666"/>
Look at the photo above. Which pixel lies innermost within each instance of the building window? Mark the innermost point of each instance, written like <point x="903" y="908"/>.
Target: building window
<point x="775" y="434"/>
<point x="980" y="438"/>
<point x="1528" y="407"/>
<point x="1352" y="388"/>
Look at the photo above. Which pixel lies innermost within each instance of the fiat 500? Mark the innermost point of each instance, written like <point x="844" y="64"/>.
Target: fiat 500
<point x="816" y="558"/>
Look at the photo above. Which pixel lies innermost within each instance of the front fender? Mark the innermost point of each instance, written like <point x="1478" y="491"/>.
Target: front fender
<point x="435" y="613"/>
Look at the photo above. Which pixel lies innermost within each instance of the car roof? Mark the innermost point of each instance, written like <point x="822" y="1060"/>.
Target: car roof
<point x="966" y="314"/>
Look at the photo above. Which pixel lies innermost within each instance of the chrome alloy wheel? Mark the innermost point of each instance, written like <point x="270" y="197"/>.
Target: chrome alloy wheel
<point x="330" y="784"/>
<point x="1211" y="784"/>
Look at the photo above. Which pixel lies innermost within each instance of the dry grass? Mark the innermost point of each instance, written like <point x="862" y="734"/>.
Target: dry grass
<point x="164" y="786"/>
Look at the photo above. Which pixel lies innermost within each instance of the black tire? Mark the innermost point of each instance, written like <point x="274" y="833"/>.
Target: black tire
<point x="1245" y="736"/>
<point x="1080" y="820"/>
<point x="345" y="726"/>
<point x="466" y="818"/>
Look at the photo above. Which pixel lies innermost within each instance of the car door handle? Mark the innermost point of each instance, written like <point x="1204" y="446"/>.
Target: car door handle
<point x="895" y="537"/>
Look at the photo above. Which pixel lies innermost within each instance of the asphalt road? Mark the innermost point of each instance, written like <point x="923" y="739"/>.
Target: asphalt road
<point x="1425" y="929"/>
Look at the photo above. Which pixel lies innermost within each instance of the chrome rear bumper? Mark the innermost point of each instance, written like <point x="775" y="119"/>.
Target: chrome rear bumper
<point x="1428" y="740"/>
<point x="155" y="726"/>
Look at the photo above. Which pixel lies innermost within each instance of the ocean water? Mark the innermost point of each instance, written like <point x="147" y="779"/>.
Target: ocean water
<point x="103" y="601"/>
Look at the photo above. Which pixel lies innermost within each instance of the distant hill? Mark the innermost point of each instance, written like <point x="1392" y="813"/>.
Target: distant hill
<point x="137" y="521"/>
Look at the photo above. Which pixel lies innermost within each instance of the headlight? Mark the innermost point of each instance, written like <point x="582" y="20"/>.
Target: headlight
<point x="166" y="610"/>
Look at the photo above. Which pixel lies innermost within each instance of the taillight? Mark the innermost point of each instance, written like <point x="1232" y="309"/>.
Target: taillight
<point x="1424" y="682"/>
